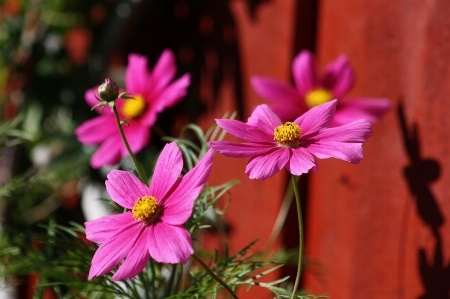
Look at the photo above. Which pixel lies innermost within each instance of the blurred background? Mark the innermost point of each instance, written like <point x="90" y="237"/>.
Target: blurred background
<point x="376" y="229"/>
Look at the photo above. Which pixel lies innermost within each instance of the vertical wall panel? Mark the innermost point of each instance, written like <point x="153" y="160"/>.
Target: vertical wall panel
<point x="381" y="229"/>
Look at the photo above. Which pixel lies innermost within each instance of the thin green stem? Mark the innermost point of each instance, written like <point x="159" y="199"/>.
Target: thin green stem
<point x="281" y="218"/>
<point x="153" y="279"/>
<point x="170" y="283"/>
<point x="300" y="231"/>
<point x="144" y="284"/>
<point x="141" y="173"/>
<point x="132" y="287"/>
<point x="180" y="277"/>
<point x="213" y="275"/>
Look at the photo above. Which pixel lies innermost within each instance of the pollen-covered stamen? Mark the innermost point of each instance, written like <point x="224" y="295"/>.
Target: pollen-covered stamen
<point x="288" y="134"/>
<point x="146" y="209"/>
<point x="133" y="108"/>
<point x="317" y="97"/>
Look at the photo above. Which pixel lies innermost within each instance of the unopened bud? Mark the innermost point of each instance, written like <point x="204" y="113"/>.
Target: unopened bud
<point x="108" y="91"/>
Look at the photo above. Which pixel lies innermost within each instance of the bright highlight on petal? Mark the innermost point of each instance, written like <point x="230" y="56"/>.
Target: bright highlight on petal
<point x="317" y="97"/>
<point x="133" y="108"/>
<point x="287" y="135"/>
<point x="146" y="209"/>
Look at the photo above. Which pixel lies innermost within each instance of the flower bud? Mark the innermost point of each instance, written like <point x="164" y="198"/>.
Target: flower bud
<point x="108" y="91"/>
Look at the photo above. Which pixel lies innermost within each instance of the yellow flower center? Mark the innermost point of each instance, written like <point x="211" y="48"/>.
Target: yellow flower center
<point x="287" y="135"/>
<point x="133" y="108"/>
<point x="146" y="209"/>
<point x="317" y="97"/>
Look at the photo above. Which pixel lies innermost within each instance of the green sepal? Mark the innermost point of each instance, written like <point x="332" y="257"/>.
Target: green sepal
<point x="97" y="98"/>
<point x="102" y="104"/>
<point x="125" y="95"/>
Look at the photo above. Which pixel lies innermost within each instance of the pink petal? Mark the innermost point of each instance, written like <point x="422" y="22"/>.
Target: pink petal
<point x="288" y="114"/>
<point x="241" y="150"/>
<point x="96" y="130"/>
<point x="112" y="251"/>
<point x="137" y="76"/>
<point x="369" y="109"/>
<point x="275" y="90"/>
<point x="350" y="152"/>
<point x="284" y="99"/>
<point x="167" y="97"/>
<point x="164" y="70"/>
<point x="136" y="260"/>
<point x="266" y="166"/>
<point x="242" y="130"/>
<point x="264" y="118"/>
<point x="357" y="131"/>
<point x="149" y="118"/>
<point x="169" y="244"/>
<point x="342" y="142"/>
<point x="108" y="153"/>
<point x="304" y="72"/>
<point x="179" y="204"/>
<point x="339" y="76"/>
<point x="316" y="118"/>
<point x="124" y="188"/>
<point x="138" y="136"/>
<point x="167" y="170"/>
<point x="301" y="161"/>
<point x="101" y="229"/>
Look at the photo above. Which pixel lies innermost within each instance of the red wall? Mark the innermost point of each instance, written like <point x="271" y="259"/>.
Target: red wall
<point x="380" y="229"/>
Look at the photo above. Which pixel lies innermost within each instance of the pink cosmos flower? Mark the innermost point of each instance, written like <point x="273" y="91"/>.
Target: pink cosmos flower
<point x="289" y="102"/>
<point x="271" y="145"/>
<point x="152" y="93"/>
<point x="153" y="226"/>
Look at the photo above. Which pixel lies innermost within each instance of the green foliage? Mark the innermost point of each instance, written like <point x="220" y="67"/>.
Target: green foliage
<point x="11" y="134"/>
<point x="62" y="257"/>
<point x="234" y="270"/>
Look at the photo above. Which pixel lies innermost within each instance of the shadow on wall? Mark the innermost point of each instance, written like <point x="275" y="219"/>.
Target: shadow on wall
<point x="419" y="174"/>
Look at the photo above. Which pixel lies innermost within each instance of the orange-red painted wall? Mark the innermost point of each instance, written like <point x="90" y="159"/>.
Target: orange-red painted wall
<point x="380" y="229"/>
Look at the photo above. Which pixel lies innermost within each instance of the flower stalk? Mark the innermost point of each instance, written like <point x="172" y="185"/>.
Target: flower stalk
<point x="141" y="173"/>
<point x="281" y="218"/>
<point x="300" y="232"/>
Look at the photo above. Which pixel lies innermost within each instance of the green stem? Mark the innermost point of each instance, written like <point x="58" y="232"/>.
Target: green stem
<point x="144" y="284"/>
<point x="281" y="218"/>
<point x="170" y="283"/>
<point x="213" y="275"/>
<point x="141" y="173"/>
<point x="179" y="278"/>
<point x="300" y="231"/>
<point x="153" y="278"/>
